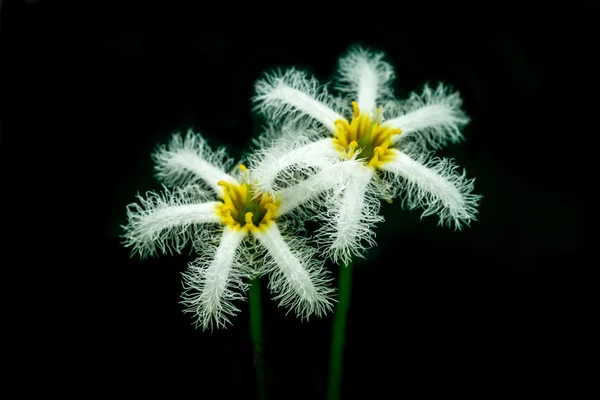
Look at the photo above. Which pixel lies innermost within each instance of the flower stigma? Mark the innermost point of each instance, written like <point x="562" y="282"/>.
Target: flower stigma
<point x="241" y="209"/>
<point x="365" y="137"/>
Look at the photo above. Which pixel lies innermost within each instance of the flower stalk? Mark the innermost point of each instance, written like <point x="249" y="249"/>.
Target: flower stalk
<point x="338" y="334"/>
<point x="256" y="335"/>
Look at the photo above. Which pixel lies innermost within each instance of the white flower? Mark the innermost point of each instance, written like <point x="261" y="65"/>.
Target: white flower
<point x="237" y="232"/>
<point x="392" y="152"/>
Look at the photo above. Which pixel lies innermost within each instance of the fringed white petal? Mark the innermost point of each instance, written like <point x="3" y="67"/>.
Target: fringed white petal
<point x="190" y="159"/>
<point x="365" y="77"/>
<point x="162" y="222"/>
<point x="435" y="185"/>
<point x="294" y="94"/>
<point x="287" y="130"/>
<point x="431" y="119"/>
<point x="347" y="225"/>
<point x="296" y="275"/>
<point x="288" y="161"/>
<point x="214" y="280"/>
<point x="334" y="177"/>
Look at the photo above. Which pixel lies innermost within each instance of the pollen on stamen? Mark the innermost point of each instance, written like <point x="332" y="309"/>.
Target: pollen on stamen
<point x="364" y="137"/>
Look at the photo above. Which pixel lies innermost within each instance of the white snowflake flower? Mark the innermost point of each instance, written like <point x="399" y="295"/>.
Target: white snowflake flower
<point x="393" y="152"/>
<point x="237" y="231"/>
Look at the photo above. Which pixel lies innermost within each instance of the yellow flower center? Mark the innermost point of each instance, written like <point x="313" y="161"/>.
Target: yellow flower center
<point x="365" y="137"/>
<point x="240" y="210"/>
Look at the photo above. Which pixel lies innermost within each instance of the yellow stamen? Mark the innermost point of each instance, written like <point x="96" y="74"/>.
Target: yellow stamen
<point x="248" y="218"/>
<point x="241" y="210"/>
<point x="378" y="153"/>
<point x="224" y="184"/>
<point x="355" y="109"/>
<point x="352" y="147"/>
<point x="265" y="201"/>
<point x="271" y="210"/>
<point x="365" y="132"/>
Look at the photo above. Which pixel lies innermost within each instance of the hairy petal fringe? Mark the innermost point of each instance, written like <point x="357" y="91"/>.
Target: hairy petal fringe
<point x="347" y="224"/>
<point x="330" y="181"/>
<point x="294" y="95"/>
<point x="296" y="275"/>
<point x="430" y="119"/>
<point x="164" y="222"/>
<point x="287" y="130"/>
<point x="190" y="159"/>
<point x="215" y="280"/>
<point x="288" y="161"/>
<point x="432" y="183"/>
<point x="364" y="76"/>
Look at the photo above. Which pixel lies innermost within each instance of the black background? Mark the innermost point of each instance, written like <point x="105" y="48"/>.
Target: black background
<point x="88" y="93"/>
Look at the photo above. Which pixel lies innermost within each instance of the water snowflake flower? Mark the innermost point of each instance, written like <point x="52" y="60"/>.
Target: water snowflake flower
<point x="394" y="153"/>
<point x="237" y="232"/>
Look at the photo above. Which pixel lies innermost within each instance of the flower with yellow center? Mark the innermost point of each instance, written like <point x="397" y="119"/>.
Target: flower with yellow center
<point x="313" y="130"/>
<point x="237" y="231"/>
<point x="242" y="210"/>
<point x="365" y="137"/>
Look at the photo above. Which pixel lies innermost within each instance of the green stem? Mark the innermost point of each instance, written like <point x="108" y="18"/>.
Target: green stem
<point x="257" y="336"/>
<point x="338" y="335"/>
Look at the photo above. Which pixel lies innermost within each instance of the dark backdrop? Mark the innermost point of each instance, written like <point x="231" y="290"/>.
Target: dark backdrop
<point x="87" y="95"/>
